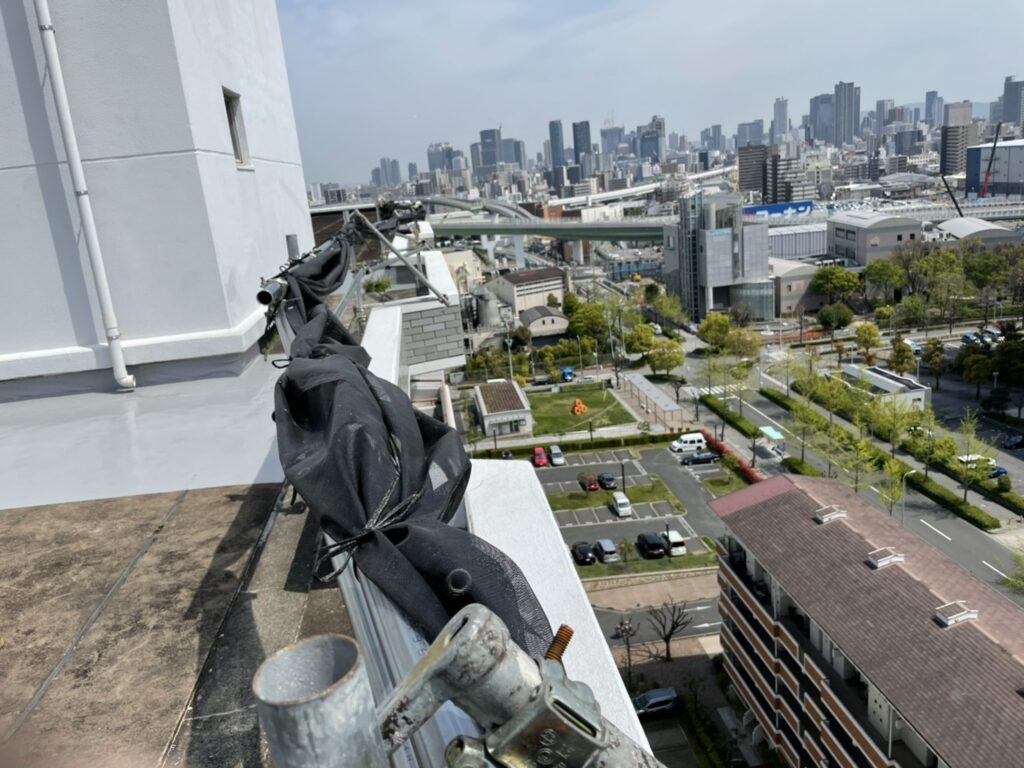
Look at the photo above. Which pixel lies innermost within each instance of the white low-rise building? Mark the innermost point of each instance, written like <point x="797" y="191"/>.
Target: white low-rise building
<point x="503" y="408"/>
<point x="988" y="233"/>
<point x="884" y="383"/>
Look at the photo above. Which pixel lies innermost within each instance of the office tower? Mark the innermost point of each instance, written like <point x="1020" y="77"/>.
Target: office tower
<point x="717" y="140"/>
<point x="580" y="140"/>
<point x="673" y="141"/>
<point x="750" y="133"/>
<point x="513" y="151"/>
<point x="394" y="173"/>
<point x="375" y="178"/>
<point x="705" y="138"/>
<point x="545" y="159"/>
<point x="649" y="145"/>
<point x="475" y="157"/>
<point x="780" y="119"/>
<point x="847" y="112"/>
<point x="751" y="160"/>
<point x="611" y="137"/>
<point x="932" y="115"/>
<point x="939" y="110"/>
<point x="557" y="144"/>
<point x="822" y="118"/>
<point x="658" y="124"/>
<point x="883" y="108"/>
<point x="786" y="180"/>
<point x="1013" y="97"/>
<point x="995" y="110"/>
<point x="413" y="172"/>
<point x="953" y="149"/>
<point x="439" y="156"/>
<point x="959" y="113"/>
<point x="917" y="115"/>
<point x="905" y="142"/>
<point x="490" y="147"/>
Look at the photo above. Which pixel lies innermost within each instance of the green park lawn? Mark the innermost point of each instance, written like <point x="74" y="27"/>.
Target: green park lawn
<point x="552" y="413"/>
<point x="725" y="483"/>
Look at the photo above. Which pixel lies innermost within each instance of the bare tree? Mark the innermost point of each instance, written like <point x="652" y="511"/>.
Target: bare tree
<point x="668" y="621"/>
<point x="625" y="630"/>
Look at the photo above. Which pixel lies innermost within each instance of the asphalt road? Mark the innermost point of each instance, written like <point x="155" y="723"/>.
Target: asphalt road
<point x="705" y="621"/>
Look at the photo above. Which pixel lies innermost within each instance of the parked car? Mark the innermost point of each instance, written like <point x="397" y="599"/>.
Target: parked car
<point x="620" y="504"/>
<point x="969" y="338"/>
<point x="1013" y="442"/>
<point x="674" y="542"/>
<point x="996" y="472"/>
<point x="914" y="346"/>
<point x="556" y="455"/>
<point x="973" y="458"/>
<point x="605" y="551"/>
<point x="588" y="482"/>
<point x="701" y="457"/>
<point x="607" y="481"/>
<point x="650" y="545"/>
<point x="540" y="458"/>
<point x="656" y="702"/>
<point x="506" y="454"/>
<point x="917" y="431"/>
<point x="690" y="441"/>
<point x="583" y="553"/>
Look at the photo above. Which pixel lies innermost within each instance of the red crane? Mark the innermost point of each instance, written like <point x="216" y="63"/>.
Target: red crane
<point x="991" y="157"/>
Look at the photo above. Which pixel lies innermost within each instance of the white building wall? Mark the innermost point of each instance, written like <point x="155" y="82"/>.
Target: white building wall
<point x="185" y="234"/>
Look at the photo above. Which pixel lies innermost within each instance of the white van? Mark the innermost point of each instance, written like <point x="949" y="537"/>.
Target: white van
<point x="691" y="441"/>
<point x="620" y="505"/>
<point x="674" y="543"/>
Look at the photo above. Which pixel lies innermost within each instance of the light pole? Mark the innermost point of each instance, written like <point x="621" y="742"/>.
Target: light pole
<point x="579" y="347"/>
<point x="508" y="344"/>
<point x="995" y="380"/>
<point x="622" y="467"/>
<point x="903" y="501"/>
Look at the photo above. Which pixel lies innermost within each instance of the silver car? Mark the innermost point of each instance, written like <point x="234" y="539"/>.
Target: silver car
<point x="557" y="457"/>
<point x="605" y="551"/>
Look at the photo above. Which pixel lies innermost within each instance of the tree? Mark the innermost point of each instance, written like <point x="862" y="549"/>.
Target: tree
<point x="742" y="343"/>
<point x="996" y="401"/>
<point x="891" y="418"/>
<point x="944" y="276"/>
<point x="677" y="383"/>
<point x="521" y="337"/>
<point x="625" y="628"/>
<point x="901" y="358"/>
<point x="640" y="340"/>
<point x="665" y="355"/>
<point x="970" y="473"/>
<point x="886" y="275"/>
<point x="741" y="315"/>
<point x="988" y="272"/>
<point x="867" y="337"/>
<point x="977" y="369"/>
<point x="834" y="283"/>
<point x="804" y="421"/>
<point x="570" y="303"/>
<point x="912" y="312"/>
<point x="651" y="292"/>
<point x="892" y="485"/>
<point x="667" y="307"/>
<point x="668" y="621"/>
<point x="378" y="286"/>
<point x="927" y="444"/>
<point x="552" y="300"/>
<point x="832" y="317"/>
<point x="589" y="320"/>
<point x="784" y="364"/>
<point x="714" y="329"/>
<point x="1008" y="361"/>
<point x="739" y="374"/>
<point x="859" y="461"/>
<point x="833" y="395"/>
<point x="934" y="357"/>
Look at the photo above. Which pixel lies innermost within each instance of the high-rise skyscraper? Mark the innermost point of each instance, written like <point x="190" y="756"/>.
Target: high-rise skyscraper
<point x="822" y="118"/>
<point x="953" y="150"/>
<point x="751" y="161"/>
<point x="649" y="145"/>
<point x="490" y="146"/>
<point x="750" y="133"/>
<point x="439" y="156"/>
<point x="883" y="107"/>
<point x="611" y="137"/>
<point x="931" y="115"/>
<point x="959" y="113"/>
<point x="581" y="140"/>
<point x="780" y="119"/>
<point x="847" y="112"/>
<point x="413" y="171"/>
<point x="557" y="144"/>
<point x="1013" y="100"/>
<point x="513" y="151"/>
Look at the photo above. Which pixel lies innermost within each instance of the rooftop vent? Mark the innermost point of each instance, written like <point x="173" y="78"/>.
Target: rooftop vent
<point x="884" y="556"/>
<point x="828" y="514"/>
<point x="954" y="613"/>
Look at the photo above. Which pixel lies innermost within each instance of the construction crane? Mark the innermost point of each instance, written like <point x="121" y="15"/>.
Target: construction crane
<point x="991" y="157"/>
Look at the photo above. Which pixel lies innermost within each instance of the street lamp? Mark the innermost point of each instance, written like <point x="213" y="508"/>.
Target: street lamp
<point x="508" y="344"/>
<point x="579" y="347"/>
<point x="622" y="467"/>
<point x="903" y="501"/>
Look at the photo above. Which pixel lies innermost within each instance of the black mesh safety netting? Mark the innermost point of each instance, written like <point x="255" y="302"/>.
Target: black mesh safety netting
<point x="382" y="478"/>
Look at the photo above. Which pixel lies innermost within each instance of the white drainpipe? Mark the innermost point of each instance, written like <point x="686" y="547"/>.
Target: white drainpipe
<point x="92" y="243"/>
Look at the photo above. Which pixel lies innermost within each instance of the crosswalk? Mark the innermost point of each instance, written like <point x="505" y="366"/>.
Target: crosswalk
<point x="720" y="389"/>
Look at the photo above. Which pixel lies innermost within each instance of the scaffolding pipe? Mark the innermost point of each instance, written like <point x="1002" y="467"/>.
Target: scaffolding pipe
<point x="314" y="703"/>
<point x="60" y="97"/>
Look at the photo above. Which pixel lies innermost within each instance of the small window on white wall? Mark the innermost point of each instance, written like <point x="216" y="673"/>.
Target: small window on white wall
<point x="233" y="106"/>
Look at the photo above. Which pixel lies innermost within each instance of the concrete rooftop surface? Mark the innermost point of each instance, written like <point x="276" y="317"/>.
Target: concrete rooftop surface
<point x="132" y="626"/>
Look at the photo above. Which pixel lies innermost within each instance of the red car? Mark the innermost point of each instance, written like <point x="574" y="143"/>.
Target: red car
<point x="540" y="458"/>
<point x="588" y="482"/>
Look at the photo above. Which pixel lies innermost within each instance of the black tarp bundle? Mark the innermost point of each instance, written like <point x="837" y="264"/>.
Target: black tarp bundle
<point x="382" y="478"/>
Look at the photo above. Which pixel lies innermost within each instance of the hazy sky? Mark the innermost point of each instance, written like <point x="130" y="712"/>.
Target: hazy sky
<point x="371" y="79"/>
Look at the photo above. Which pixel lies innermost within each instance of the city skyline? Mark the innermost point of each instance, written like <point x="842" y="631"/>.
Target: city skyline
<point x="462" y="83"/>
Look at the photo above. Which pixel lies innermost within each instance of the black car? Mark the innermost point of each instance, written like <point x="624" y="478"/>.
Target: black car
<point x="1013" y="442"/>
<point x="582" y="553"/>
<point x="607" y="481"/>
<point x="506" y="454"/>
<point x="650" y="545"/>
<point x="701" y="457"/>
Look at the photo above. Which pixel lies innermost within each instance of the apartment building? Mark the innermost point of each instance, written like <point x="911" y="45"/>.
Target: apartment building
<point x="854" y="643"/>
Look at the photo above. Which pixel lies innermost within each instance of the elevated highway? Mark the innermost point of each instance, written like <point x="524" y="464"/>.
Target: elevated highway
<point x="649" y="229"/>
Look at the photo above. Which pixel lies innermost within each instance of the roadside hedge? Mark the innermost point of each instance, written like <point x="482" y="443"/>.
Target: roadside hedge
<point x="740" y="423"/>
<point x="797" y="467"/>
<point x="926" y="487"/>
<point x="746" y="472"/>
